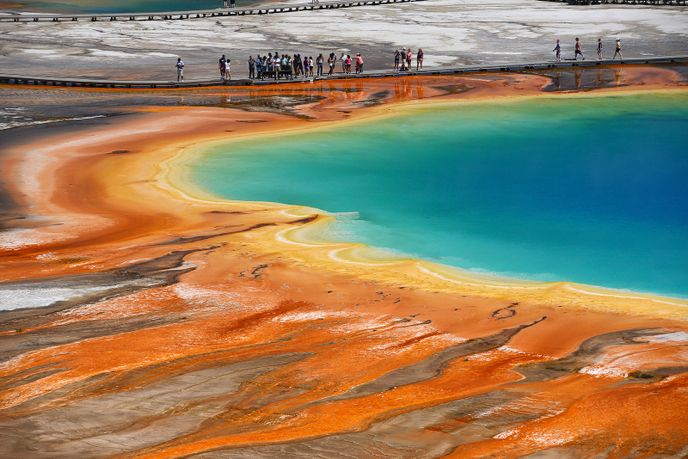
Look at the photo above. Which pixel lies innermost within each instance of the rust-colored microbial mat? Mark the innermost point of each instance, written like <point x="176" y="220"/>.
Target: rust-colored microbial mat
<point x="152" y="321"/>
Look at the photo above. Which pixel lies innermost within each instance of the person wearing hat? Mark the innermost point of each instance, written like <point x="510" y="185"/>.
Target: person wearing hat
<point x="617" y="49"/>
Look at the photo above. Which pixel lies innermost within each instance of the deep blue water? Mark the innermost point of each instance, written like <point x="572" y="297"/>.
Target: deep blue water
<point x="592" y="190"/>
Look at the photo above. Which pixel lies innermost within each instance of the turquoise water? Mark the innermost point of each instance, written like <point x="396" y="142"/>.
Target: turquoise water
<point x="590" y="190"/>
<point x="122" y="6"/>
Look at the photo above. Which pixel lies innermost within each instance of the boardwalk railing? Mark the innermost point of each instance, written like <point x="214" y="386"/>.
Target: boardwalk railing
<point x="522" y="67"/>
<point x="623" y="2"/>
<point x="196" y="14"/>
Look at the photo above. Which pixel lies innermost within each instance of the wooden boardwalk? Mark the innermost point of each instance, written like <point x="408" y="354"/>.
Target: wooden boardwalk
<point x="623" y="2"/>
<point x="519" y="67"/>
<point x="196" y="14"/>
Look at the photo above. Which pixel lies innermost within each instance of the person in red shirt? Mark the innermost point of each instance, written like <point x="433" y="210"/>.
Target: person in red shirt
<point x="359" y="63"/>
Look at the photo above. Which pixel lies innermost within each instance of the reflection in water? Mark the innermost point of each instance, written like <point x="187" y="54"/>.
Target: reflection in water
<point x="585" y="79"/>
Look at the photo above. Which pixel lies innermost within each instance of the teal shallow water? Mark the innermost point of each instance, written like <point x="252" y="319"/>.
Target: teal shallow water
<point x="591" y="190"/>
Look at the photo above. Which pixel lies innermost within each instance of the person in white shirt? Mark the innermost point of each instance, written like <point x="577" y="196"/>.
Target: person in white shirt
<point x="180" y="69"/>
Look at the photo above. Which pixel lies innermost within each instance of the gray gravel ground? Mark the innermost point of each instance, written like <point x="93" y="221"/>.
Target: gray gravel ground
<point x="451" y="32"/>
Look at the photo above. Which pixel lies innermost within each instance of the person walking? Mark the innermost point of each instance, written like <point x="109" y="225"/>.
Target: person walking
<point x="319" y="61"/>
<point x="180" y="69"/>
<point x="359" y="63"/>
<point x="251" y="67"/>
<point x="303" y="65"/>
<point x="419" y="59"/>
<point x="617" y="49"/>
<point x="222" y="67"/>
<point x="599" y="49"/>
<point x="557" y="51"/>
<point x="397" y="56"/>
<point x="578" y="50"/>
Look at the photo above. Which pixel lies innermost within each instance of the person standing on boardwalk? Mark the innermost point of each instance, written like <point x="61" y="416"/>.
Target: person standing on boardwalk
<point x="330" y="62"/>
<point x="228" y="69"/>
<point x="409" y="58"/>
<point x="319" y="61"/>
<point x="578" y="50"/>
<point x="259" y="67"/>
<point x="295" y="64"/>
<point x="599" y="49"/>
<point x="302" y="67"/>
<point x="359" y="63"/>
<point x="397" y="56"/>
<point x="180" y="69"/>
<point x="557" y="51"/>
<point x="222" y="66"/>
<point x="251" y="67"/>
<point x="402" y="60"/>
<point x="617" y="49"/>
<point x="419" y="59"/>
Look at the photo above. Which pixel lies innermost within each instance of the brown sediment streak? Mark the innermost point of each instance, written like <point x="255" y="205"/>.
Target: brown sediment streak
<point x="169" y="323"/>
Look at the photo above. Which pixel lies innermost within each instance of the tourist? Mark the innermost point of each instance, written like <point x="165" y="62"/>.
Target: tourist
<point x="295" y="63"/>
<point x="359" y="63"/>
<point x="397" y="56"/>
<point x="617" y="49"/>
<point x="342" y="59"/>
<point x="578" y="50"/>
<point x="557" y="51"/>
<point x="409" y="58"/>
<point x="302" y="67"/>
<point x="419" y="59"/>
<point x="276" y="65"/>
<point x="599" y="49"/>
<point x="222" y="67"/>
<point x="285" y="66"/>
<point x="402" y="61"/>
<point x="251" y="67"/>
<point x="330" y="62"/>
<point x="259" y="67"/>
<point x="347" y="64"/>
<point x="268" y="65"/>
<point x="228" y="73"/>
<point x="319" y="61"/>
<point x="180" y="69"/>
